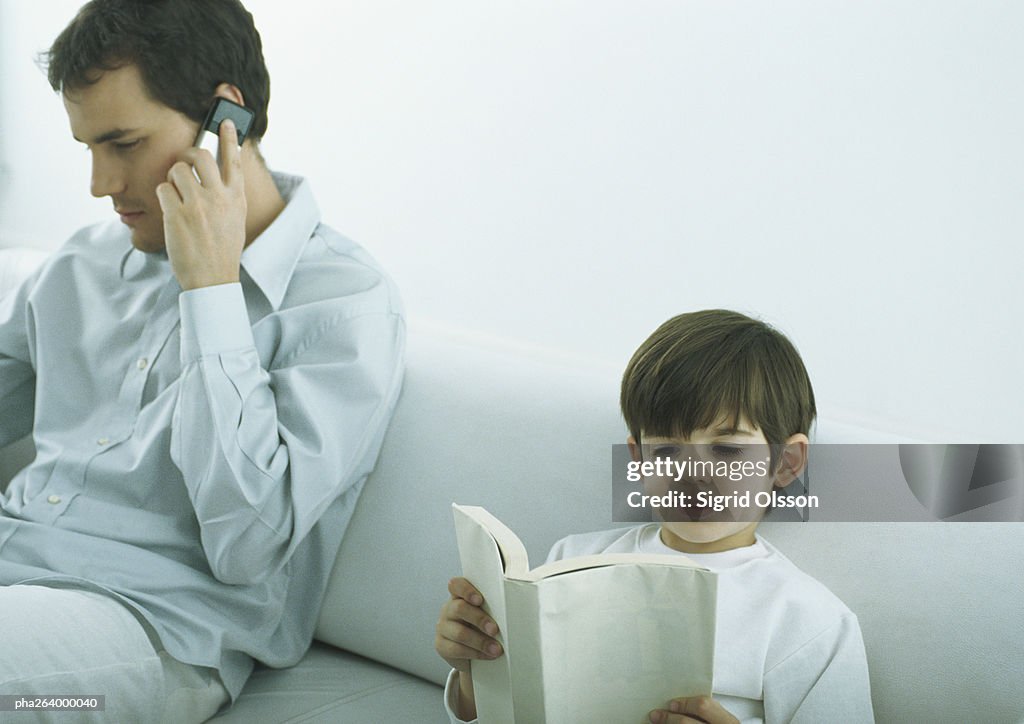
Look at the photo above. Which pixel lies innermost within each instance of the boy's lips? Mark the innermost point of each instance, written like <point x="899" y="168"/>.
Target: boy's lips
<point x="699" y="507"/>
<point x="694" y="508"/>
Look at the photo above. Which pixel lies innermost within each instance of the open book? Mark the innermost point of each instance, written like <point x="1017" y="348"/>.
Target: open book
<point x="597" y="638"/>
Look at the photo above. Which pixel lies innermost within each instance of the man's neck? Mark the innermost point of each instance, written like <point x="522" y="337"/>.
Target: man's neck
<point x="263" y="201"/>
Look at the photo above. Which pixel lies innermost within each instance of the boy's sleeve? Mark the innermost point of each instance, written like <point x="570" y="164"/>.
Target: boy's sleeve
<point x="451" y="689"/>
<point x="557" y="551"/>
<point x="824" y="680"/>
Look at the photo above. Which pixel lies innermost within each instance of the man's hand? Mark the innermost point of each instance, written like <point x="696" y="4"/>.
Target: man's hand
<point x="464" y="631"/>
<point x="204" y="217"/>
<point x="693" y="710"/>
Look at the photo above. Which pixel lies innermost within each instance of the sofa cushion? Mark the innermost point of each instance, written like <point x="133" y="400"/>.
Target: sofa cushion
<point x="333" y="686"/>
<point x="521" y="431"/>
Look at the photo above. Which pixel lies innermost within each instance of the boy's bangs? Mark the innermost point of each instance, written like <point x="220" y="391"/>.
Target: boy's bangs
<point x="697" y="398"/>
<point x="714" y="369"/>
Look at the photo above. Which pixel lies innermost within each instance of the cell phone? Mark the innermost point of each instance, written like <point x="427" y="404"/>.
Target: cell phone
<point x="221" y="109"/>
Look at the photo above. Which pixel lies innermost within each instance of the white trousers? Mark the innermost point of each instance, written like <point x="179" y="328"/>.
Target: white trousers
<point x="65" y="642"/>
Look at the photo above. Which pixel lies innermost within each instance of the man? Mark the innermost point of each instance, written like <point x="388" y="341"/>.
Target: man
<point x="207" y="381"/>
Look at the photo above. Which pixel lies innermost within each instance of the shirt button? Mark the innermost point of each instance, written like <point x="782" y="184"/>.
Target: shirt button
<point x="53" y="499"/>
<point x="103" y="441"/>
<point x="143" y="363"/>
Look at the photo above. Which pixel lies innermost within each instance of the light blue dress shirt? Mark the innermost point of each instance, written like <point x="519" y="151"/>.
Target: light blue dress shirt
<point x="199" y="454"/>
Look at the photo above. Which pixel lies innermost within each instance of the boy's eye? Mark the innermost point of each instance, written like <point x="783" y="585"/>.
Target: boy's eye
<point x="665" y="451"/>
<point x="727" y="450"/>
<point x="127" y="145"/>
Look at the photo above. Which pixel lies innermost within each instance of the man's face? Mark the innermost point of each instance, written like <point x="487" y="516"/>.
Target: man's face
<point x="133" y="140"/>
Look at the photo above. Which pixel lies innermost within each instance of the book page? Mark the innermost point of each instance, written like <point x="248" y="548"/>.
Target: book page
<point x="482" y="566"/>
<point x="579" y="563"/>
<point x="596" y="638"/>
<point x="621" y="640"/>
<point x="513" y="554"/>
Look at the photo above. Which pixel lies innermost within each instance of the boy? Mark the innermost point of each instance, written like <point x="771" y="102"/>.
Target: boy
<point x="786" y="648"/>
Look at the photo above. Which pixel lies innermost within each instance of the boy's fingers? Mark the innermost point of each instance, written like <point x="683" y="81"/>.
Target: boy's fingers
<point x="473" y="615"/>
<point x="455" y="640"/>
<point x="693" y="709"/>
<point x="661" y="716"/>
<point x="461" y="588"/>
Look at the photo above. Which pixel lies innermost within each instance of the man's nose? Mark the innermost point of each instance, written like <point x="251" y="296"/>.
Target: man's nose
<point x="107" y="178"/>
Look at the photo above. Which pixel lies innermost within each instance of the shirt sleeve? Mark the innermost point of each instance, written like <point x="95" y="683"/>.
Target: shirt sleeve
<point x="17" y="374"/>
<point x="826" y="680"/>
<point x="263" y="452"/>
<point x="451" y="690"/>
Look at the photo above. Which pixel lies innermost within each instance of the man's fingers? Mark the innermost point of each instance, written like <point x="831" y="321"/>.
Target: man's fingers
<point x="230" y="157"/>
<point x="202" y="164"/>
<point x="168" y="196"/>
<point x="184" y="181"/>
<point x="205" y="166"/>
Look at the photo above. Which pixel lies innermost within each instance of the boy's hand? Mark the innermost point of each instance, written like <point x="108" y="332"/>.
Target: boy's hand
<point x="693" y="710"/>
<point x="464" y="631"/>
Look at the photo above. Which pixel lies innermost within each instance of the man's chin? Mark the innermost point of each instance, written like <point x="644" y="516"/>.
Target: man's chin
<point x="146" y="243"/>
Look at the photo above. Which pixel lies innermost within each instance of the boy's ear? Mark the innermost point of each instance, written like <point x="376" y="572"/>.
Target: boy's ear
<point x="634" y="449"/>
<point x="793" y="461"/>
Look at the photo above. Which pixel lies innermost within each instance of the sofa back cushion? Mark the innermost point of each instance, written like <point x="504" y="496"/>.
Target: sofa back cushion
<point x="522" y="433"/>
<point x="526" y="434"/>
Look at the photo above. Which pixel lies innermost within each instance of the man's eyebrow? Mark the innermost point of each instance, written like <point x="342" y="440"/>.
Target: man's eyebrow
<point x="109" y="136"/>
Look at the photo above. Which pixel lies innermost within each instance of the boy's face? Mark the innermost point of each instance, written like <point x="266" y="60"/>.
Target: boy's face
<point x="134" y="140"/>
<point x="700" y="464"/>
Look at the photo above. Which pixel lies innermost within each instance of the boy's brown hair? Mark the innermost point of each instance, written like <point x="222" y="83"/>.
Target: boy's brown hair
<point x="699" y="366"/>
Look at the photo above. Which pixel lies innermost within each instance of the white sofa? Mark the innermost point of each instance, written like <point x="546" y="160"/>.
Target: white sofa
<point x="526" y="433"/>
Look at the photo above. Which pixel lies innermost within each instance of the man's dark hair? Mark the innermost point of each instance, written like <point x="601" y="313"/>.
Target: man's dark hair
<point x="184" y="49"/>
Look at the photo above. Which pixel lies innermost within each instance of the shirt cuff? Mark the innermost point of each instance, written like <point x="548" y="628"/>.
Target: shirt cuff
<point x="214" y="320"/>
<point x="451" y="693"/>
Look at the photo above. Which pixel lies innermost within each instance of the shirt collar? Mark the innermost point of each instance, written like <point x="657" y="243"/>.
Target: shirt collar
<point x="271" y="258"/>
<point x="651" y="542"/>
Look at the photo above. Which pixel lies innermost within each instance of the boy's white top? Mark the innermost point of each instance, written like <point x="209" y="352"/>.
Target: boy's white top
<point x="786" y="648"/>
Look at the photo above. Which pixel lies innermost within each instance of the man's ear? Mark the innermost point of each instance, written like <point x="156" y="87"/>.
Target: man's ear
<point x="793" y="459"/>
<point x="634" y="449"/>
<point x="231" y="92"/>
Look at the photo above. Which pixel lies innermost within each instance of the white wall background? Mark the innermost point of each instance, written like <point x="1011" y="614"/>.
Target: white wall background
<point x="572" y="172"/>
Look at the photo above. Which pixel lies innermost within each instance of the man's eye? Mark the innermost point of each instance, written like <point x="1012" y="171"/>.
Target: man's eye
<point x="127" y="145"/>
